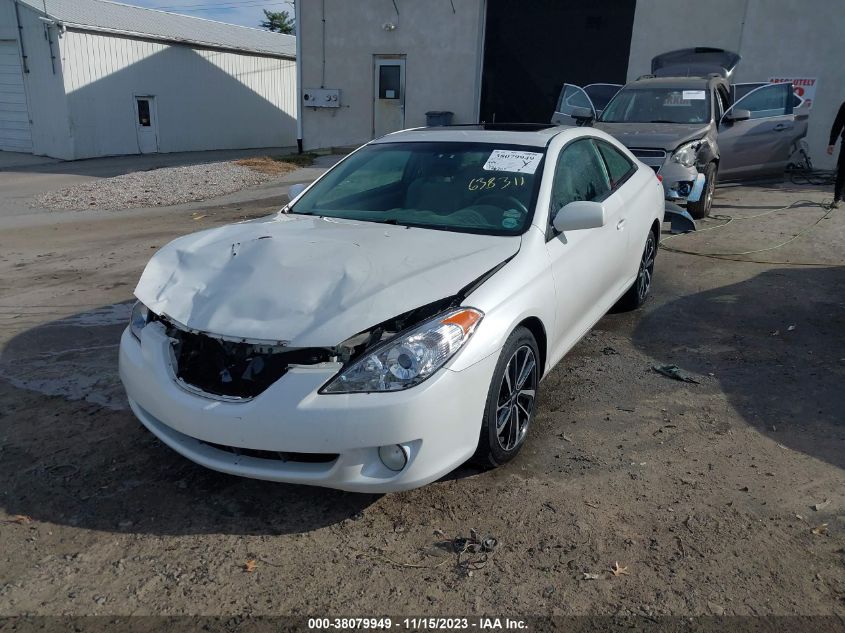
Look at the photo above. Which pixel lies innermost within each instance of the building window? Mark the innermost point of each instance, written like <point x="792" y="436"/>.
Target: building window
<point x="388" y="82"/>
<point x="144" y="112"/>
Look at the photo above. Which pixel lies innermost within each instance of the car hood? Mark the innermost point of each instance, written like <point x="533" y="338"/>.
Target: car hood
<point x="311" y="281"/>
<point x="666" y="136"/>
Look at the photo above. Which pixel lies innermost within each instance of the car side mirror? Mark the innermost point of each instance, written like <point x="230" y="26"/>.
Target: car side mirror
<point x="581" y="112"/>
<point x="295" y="190"/>
<point x="738" y="115"/>
<point x="580" y="214"/>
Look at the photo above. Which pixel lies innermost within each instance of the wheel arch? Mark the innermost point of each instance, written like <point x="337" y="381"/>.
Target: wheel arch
<point x="655" y="228"/>
<point x="538" y="330"/>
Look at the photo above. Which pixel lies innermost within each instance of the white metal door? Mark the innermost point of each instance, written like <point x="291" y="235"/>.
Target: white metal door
<point x="15" y="133"/>
<point x="146" y="123"/>
<point x="389" y="95"/>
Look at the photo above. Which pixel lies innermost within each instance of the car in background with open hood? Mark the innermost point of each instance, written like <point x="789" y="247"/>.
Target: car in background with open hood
<point x="689" y="123"/>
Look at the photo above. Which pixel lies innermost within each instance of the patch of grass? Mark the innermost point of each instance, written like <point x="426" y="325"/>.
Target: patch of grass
<point x="306" y="159"/>
<point x="277" y="165"/>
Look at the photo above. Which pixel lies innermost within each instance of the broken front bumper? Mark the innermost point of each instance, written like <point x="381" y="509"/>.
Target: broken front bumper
<point x="291" y="433"/>
<point x="681" y="221"/>
<point x="681" y="184"/>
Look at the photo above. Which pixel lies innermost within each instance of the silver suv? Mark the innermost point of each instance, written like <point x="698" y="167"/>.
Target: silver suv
<point x="689" y="123"/>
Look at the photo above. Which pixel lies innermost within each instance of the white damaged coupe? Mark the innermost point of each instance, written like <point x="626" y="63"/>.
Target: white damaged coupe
<point x="397" y="317"/>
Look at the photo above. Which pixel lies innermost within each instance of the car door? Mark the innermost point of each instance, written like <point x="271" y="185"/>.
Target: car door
<point x="586" y="264"/>
<point x="574" y="107"/>
<point x="601" y="94"/>
<point x="622" y="171"/>
<point x="761" y="145"/>
<point x="800" y="108"/>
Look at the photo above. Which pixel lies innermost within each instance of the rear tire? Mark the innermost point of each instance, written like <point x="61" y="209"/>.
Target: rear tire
<point x="510" y="401"/>
<point x="701" y="209"/>
<point x="638" y="293"/>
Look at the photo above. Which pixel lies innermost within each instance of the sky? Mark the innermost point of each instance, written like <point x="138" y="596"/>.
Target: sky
<point x="243" y="12"/>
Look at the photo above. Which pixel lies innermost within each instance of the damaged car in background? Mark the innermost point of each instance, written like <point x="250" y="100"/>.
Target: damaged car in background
<point x="396" y="318"/>
<point x="689" y="123"/>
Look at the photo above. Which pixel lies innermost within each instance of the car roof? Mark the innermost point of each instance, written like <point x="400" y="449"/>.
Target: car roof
<point x="674" y="82"/>
<point x="536" y="135"/>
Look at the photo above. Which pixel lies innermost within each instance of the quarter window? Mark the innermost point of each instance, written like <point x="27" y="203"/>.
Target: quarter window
<point x="580" y="175"/>
<point x="618" y="165"/>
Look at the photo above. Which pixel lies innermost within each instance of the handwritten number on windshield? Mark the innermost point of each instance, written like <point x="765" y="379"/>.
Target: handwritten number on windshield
<point x="496" y="182"/>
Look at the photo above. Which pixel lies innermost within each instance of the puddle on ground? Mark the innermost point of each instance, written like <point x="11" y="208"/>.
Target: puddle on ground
<point x="74" y="357"/>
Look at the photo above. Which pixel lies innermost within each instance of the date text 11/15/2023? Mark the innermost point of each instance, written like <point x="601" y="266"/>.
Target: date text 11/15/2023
<point x="418" y="623"/>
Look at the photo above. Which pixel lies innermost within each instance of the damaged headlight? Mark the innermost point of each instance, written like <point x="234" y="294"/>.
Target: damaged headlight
<point x="410" y="357"/>
<point x="687" y="153"/>
<point x="138" y="319"/>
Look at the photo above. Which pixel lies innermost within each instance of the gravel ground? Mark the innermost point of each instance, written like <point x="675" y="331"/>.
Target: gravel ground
<point x="635" y="495"/>
<point x="156" y="188"/>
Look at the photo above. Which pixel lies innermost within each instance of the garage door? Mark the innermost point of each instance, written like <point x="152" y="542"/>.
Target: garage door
<point x="15" y="134"/>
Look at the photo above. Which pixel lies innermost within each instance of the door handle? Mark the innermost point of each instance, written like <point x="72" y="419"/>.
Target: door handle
<point x="620" y="225"/>
<point x="780" y="127"/>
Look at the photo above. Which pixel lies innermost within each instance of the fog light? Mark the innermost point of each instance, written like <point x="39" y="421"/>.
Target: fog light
<point x="393" y="456"/>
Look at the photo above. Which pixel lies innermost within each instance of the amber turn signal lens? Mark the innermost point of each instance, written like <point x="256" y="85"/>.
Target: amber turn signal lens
<point x="466" y="320"/>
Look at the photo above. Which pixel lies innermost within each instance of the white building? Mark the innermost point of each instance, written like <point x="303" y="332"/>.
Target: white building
<point x="387" y="62"/>
<point x="86" y="78"/>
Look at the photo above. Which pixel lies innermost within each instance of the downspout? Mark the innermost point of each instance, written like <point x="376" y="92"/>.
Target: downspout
<point x="20" y="38"/>
<point x="296" y="18"/>
<point x="742" y="27"/>
<point x="50" y="44"/>
<point x="323" y="71"/>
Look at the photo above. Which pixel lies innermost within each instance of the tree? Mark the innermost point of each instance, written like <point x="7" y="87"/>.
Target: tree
<point x="278" y="21"/>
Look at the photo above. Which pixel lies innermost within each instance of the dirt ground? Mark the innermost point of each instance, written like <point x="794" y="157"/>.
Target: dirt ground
<point x="724" y="496"/>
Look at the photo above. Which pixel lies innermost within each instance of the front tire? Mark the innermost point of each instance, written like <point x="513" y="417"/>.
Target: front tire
<point x="701" y="209"/>
<point x="510" y="401"/>
<point x="638" y="293"/>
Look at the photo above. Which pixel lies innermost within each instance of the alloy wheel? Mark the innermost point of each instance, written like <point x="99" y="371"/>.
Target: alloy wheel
<point x="646" y="269"/>
<point x="515" y="403"/>
<point x="708" y="200"/>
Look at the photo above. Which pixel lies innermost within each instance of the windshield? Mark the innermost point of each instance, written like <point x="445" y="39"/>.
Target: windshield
<point x="658" y="105"/>
<point x="466" y="187"/>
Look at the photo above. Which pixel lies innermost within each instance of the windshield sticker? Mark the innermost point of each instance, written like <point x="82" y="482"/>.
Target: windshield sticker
<point x="693" y="95"/>
<point x="509" y="223"/>
<point x="512" y="161"/>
